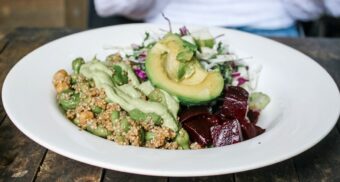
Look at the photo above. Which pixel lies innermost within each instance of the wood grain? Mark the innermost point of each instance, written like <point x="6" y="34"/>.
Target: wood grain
<point x="3" y="45"/>
<point x="283" y="171"/>
<point x="58" y="168"/>
<point x="33" y="13"/>
<point x="76" y="13"/>
<point x="116" y="176"/>
<point x="322" y="162"/>
<point x="220" y="178"/>
<point x="23" y="41"/>
<point x="17" y="44"/>
<point x="20" y="157"/>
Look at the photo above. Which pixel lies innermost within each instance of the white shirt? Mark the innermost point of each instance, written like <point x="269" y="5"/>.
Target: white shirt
<point x="265" y="14"/>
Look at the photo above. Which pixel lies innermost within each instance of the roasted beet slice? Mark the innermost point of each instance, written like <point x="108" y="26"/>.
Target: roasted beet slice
<point x="235" y="103"/>
<point x="237" y="93"/>
<point x="227" y="133"/>
<point x="198" y="128"/>
<point x="253" y="115"/>
<point x="250" y="130"/>
<point x="228" y="125"/>
<point x="192" y="112"/>
<point x="213" y="119"/>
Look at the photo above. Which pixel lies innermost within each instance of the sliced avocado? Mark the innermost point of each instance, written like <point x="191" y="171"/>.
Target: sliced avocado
<point x="185" y="70"/>
<point x="162" y="69"/>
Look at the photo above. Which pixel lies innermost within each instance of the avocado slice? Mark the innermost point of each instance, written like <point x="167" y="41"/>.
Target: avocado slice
<point x="195" y="86"/>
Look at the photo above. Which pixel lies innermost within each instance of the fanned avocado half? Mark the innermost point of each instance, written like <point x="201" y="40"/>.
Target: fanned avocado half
<point x="172" y="66"/>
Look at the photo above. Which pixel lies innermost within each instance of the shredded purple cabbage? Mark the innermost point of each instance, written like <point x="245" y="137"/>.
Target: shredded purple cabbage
<point x="241" y="80"/>
<point x="140" y="73"/>
<point x="184" y="31"/>
<point x="235" y="74"/>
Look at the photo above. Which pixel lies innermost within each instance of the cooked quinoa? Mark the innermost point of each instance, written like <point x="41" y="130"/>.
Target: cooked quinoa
<point x="94" y="114"/>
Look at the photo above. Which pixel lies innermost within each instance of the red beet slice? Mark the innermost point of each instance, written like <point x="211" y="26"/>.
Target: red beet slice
<point x="198" y="128"/>
<point x="253" y="116"/>
<point x="226" y="134"/>
<point x="237" y="93"/>
<point x="213" y="119"/>
<point x="227" y="126"/>
<point x="250" y="130"/>
<point x="235" y="103"/>
<point x="192" y="112"/>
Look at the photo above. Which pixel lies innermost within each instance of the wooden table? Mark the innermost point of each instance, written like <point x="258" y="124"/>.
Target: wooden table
<point x="21" y="159"/>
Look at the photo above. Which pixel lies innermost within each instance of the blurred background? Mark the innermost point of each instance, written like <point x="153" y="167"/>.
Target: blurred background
<point x="81" y="14"/>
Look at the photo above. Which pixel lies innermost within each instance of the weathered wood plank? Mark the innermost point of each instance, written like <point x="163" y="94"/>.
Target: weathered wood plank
<point x="21" y="42"/>
<point x="322" y="162"/>
<point x="3" y="45"/>
<point x="20" y="157"/>
<point x="58" y="168"/>
<point x="34" y="13"/>
<point x="76" y="13"/>
<point x="220" y="178"/>
<point x="110" y="175"/>
<point x="283" y="171"/>
<point x="39" y="34"/>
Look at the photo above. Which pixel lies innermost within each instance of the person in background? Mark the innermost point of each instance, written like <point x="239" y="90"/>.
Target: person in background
<point x="263" y="17"/>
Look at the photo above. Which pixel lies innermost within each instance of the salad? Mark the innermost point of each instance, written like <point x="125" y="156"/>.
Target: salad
<point x="177" y="90"/>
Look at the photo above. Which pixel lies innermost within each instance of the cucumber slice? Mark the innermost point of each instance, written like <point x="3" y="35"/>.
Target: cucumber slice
<point x="258" y="101"/>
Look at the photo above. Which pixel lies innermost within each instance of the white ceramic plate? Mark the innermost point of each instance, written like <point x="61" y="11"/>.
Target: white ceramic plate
<point x="305" y="106"/>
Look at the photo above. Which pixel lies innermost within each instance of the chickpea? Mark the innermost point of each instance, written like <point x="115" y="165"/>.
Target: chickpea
<point x="85" y="116"/>
<point x="61" y="86"/>
<point x="59" y="76"/>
